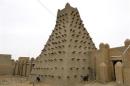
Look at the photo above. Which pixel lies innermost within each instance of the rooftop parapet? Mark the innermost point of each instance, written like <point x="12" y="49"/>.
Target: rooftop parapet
<point x="127" y="42"/>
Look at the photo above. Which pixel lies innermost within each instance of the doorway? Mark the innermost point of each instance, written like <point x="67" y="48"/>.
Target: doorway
<point x="114" y="74"/>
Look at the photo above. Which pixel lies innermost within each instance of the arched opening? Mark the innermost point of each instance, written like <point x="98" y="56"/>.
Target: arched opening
<point x="114" y="74"/>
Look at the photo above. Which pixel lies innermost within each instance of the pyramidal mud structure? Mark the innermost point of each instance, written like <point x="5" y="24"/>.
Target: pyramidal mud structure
<point x="65" y="55"/>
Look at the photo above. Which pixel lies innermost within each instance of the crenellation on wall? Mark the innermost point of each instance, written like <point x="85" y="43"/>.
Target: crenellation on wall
<point x="127" y="42"/>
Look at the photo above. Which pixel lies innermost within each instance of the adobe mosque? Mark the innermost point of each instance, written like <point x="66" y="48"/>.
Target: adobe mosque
<point x="70" y="57"/>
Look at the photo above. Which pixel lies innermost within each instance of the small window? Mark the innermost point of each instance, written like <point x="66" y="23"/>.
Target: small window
<point x="77" y="68"/>
<point x="84" y="42"/>
<point x="74" y="52"/>
<point x="70" y="39"/>
<point x="89" y="43"/>
<point x="62" y="68"/>
<point x="78" y="59"/>
<point x="59" y="77"/>
<point x="68" y="77"/>
<point x="85" y="53"/>
<point x="77" y="36"/>
<point x="75" y="76"/>
<point x="52" y="76"/>
<point x="71" y="68"/>
<point x="61" y="59"/>
<point x="73" y="59"/>
<point x="56" y="68"/>
<point x="59" y="52"/>
<point x="76" y="40"/>
<point x="72" y="35"/>
<point x="75" y="46"/>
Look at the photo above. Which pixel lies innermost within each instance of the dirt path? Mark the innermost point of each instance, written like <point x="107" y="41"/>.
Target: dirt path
<point x="22" y="81"/>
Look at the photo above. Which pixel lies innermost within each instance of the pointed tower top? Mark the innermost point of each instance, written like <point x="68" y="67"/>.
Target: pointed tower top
<point x="67" y="5"/>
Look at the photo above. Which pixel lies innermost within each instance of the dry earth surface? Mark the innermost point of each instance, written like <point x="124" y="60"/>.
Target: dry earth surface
<point x="22" y="81"/>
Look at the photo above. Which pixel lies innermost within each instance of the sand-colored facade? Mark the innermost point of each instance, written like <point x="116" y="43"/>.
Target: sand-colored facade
<point x="23" y="66"/>
<point x="6" y="64"/>
<point x="20" y="67"/>
<point x="112" y="64"/>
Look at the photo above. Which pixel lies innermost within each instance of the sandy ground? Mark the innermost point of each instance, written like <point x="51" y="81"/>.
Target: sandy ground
<point x="22" y="81"/>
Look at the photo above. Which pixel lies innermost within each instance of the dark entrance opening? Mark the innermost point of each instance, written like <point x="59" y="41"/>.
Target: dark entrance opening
<point x="38" y="79"/>
<point x="84" y="78"/>
<point x="33" y="65"/>
<point x="114" y="62"/>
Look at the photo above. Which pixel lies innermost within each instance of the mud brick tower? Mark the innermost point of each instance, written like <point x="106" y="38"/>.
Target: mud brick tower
<point x="65" y="57"/>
